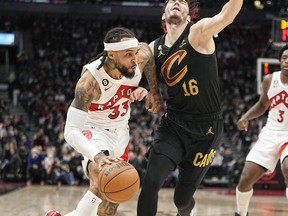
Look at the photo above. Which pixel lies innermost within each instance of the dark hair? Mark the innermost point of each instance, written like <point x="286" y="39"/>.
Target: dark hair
<point x="282" y="50"/>
<point x="191" y="5"/>
<point x="113" y="35"/>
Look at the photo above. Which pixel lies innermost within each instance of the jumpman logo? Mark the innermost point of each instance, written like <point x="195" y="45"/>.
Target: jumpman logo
<point x="210" y="131"/>
<point x="182" y="43"/>
<point x="160" y="51"/>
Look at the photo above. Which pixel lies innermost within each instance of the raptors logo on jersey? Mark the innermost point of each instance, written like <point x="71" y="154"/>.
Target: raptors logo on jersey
<point x="281" y="97"/>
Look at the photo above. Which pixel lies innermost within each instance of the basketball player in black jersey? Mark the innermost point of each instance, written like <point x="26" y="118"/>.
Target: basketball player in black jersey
<point x="191" y="129"/>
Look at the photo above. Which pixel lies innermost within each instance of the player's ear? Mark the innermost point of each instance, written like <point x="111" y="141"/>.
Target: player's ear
<point x="110" y="54"/>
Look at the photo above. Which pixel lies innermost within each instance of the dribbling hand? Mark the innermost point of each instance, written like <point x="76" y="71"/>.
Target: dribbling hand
<point x="101" y="159"/>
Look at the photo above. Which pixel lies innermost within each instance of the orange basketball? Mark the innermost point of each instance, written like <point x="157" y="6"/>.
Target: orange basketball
<point x="118" y="182"/>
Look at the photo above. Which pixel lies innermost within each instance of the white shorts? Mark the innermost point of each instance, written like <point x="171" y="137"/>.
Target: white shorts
<point x="114" y="140"/>
<point x="269" y="148"/>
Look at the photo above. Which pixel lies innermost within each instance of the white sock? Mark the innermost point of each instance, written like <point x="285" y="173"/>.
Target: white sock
<point x="88" y="205"/>
<point x="243" y="200"/>
<point x="287" y="192"/>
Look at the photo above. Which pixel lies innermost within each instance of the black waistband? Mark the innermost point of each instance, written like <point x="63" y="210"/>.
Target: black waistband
<point x="195" y="117"/>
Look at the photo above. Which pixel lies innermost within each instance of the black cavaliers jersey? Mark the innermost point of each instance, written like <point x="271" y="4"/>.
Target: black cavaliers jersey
<point x="191" y="77"/>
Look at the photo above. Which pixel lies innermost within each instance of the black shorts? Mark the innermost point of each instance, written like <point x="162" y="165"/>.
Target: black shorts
<point x="184" y="139"/>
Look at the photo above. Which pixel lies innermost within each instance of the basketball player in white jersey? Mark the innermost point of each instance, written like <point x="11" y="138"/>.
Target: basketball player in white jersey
<point x="272" y="143"/>
<point x="97" y="120"/>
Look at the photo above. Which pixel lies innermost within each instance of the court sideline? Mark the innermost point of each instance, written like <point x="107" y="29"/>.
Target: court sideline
<point x="35" y="200"/>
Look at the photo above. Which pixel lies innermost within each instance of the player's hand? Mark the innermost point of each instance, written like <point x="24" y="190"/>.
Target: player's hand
<point x="242" y="124"/>
<point x="101" y="159"/>
<point x="138" y="94"/>
<point x="154" y="102"/>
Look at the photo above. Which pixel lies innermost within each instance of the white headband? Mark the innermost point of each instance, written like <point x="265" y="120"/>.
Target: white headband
<point x="122" y="45"/>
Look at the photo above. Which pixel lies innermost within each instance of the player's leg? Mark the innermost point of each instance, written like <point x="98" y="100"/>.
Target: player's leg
<point x="189" y="180"/>
<point x="107" y="208"/>
<point x="251" y="173"/>
<point x="184" y="191"/>
<point x="263" y="157"/>
<point x="193" y="169"/>
<point x="89" y="203"/>
<point x="158" y="169"/>
<point x="284" y="166"/>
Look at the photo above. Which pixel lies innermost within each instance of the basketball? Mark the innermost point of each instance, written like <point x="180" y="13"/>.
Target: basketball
<point x="52" y="213"/>
<point x="118" y="182"/>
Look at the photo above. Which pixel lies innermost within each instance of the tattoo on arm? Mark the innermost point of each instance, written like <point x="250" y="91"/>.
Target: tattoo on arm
<point x="86" y="90"/>
<point x="150" y="73"/>
<point x="149" y="68"/>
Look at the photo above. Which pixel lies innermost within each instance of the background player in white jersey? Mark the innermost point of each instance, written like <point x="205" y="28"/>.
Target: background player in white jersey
<point x="97" y="120"/>
<point x="272" y="143"/>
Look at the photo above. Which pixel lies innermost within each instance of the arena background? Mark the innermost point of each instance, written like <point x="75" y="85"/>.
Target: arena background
<point x="54" y="38"/>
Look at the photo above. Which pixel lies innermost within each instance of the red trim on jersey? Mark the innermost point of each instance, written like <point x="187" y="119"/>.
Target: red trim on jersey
<point x="283" y="147"/>
<point x="124" y="91"/>
<point x="125" y="156"/>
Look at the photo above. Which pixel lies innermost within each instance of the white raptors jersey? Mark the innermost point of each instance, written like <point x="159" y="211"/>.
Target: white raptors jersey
<point x="112" y="110"/>
<point x="278" y="96"/>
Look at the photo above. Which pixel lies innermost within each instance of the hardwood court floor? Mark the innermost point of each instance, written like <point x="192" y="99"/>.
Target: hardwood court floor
<point x="36" y="200"/>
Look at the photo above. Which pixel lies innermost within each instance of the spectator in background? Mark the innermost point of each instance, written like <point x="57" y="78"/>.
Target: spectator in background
<point x="40" y="139"/>
<point x="11" y="166"/>
<point x="36" y="171"/>
<point x="76" y="167"/>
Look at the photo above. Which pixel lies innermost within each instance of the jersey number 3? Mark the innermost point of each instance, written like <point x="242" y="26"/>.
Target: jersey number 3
<point x="116" y="110"/>
<point x="281" y="118"/>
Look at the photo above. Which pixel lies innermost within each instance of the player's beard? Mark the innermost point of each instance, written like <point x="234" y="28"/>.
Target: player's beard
<point x="174" y="19"/>
<point x="125" y="71"/>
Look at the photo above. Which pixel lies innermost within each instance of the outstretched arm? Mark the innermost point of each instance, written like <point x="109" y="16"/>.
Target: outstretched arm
<point x="205" y="28"/>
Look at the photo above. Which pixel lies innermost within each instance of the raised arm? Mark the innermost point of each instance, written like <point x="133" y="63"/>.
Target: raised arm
<point x="207" y="27"/>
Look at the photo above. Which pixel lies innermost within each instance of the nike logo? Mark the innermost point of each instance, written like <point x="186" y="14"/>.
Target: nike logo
<point x="107" y="88"/>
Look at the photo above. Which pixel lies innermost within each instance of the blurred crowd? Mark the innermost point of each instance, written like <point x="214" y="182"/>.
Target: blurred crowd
<point x="33" y="149"/>
<point x="276" y="5"/>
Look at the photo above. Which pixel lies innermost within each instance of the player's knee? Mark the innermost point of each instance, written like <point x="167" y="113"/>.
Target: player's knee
<point x="152" y="182"/>
<point x="245" y="182"/>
